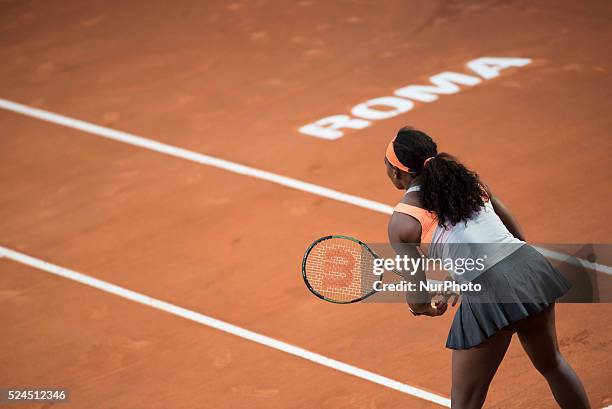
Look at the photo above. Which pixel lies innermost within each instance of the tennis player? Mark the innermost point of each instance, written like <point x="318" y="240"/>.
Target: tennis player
<point x="446" y="203"/>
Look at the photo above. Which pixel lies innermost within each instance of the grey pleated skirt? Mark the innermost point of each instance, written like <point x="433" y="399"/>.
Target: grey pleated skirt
<point x="521" y="285"/>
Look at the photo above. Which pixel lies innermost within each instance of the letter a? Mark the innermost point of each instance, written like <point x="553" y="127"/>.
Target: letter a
<point x="489" y="67"/>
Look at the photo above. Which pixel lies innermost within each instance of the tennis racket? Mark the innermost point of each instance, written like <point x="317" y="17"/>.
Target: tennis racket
<point x="340" y="269"/>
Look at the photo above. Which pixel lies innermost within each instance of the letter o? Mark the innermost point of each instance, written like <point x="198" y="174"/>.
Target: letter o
<point x="399" y="105"/>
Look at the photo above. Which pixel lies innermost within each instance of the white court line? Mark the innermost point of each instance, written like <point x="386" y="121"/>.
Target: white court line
<point x="575" y="261"/>
<point x="240" y="169"/>
<point x="221" y="326"/>
<point x="192" y="156"/>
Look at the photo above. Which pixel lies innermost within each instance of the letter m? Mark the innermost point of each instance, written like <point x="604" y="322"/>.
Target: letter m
<point x="444" y="83"/>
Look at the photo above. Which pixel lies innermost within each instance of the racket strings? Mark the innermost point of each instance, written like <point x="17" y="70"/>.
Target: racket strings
<point x="340" y="270"/>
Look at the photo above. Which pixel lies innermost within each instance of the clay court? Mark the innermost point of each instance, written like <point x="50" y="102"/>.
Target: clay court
<point x="237" y="81"/>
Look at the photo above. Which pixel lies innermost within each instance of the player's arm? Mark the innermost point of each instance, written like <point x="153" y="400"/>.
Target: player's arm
<point x="506" y="216"/>
<point x="404" y="235"/>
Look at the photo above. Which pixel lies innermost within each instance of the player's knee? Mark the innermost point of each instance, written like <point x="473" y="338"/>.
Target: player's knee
<point x="549" y="366"/>
<point x="468" y="396"/>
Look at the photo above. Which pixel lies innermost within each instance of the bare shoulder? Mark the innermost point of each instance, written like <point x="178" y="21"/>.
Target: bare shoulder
<point x="404" y="229"/>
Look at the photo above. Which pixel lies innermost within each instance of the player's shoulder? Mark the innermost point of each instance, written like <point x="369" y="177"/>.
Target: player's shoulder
<point x="404" y="228"/>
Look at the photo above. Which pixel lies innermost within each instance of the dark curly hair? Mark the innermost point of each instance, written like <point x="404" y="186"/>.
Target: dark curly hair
<point x="448" y="189"/>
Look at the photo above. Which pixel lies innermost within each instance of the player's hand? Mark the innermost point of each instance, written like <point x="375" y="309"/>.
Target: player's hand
<point x="434" y="309"/>
<point x="446" y="296"/>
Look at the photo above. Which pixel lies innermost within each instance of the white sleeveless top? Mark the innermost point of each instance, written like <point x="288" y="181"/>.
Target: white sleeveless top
<point x="483" y="236"/>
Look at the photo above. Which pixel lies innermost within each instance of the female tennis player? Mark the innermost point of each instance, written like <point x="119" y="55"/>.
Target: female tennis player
<point x="446" y="203"/>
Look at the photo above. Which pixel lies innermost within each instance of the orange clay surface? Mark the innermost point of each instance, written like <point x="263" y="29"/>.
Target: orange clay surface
<point x="236" y="80"/>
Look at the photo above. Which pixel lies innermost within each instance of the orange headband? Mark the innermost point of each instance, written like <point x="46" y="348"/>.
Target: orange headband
<point x="392" y="158"/>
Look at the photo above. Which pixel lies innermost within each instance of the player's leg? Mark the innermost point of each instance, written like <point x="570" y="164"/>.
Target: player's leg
<point x="474" y="368"/>
<point x="539" y="339"/>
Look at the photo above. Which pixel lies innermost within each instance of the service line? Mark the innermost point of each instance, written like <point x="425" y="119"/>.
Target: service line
<point x="192" y="156"/>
